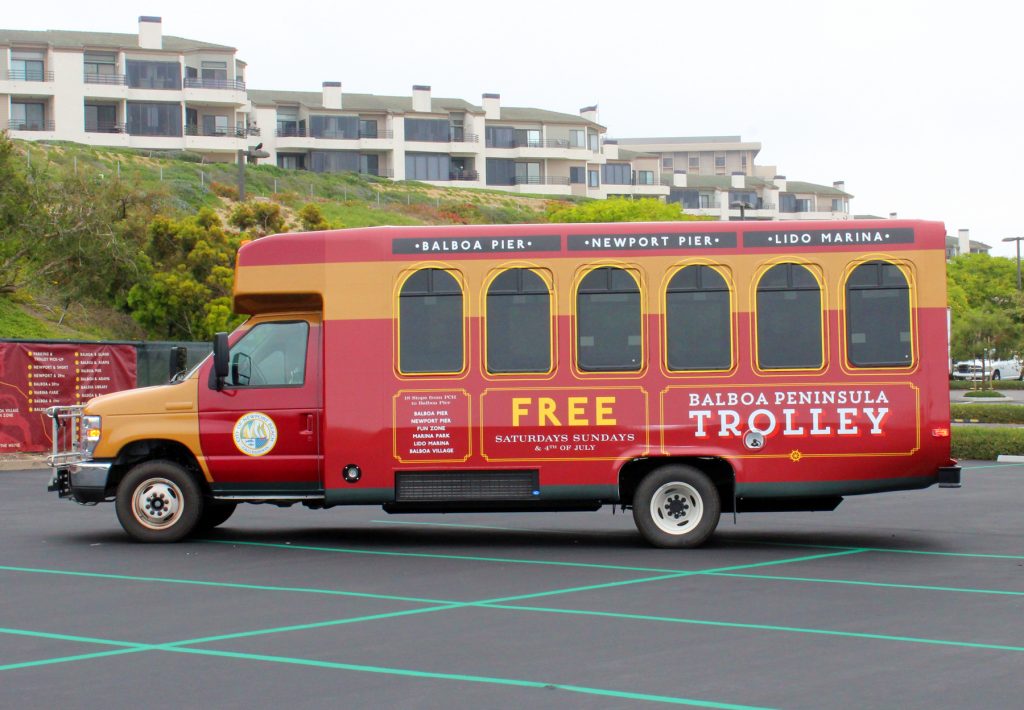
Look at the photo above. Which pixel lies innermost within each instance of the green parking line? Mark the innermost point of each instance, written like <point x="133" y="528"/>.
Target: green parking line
<point x="438" y="556"/>
<point x="979" y="555"/>
<point x="767" y="627"/>
<point x="859" y="583"/>
<point x="227" y="585"/>
<point x="70" y="659"/>
<point x="489" y="680"/>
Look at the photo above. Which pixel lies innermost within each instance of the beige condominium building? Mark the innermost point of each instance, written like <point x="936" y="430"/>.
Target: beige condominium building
<point x="718" y="176"/>
<point x="143" y="90"/>
<point x="153" y="91"/>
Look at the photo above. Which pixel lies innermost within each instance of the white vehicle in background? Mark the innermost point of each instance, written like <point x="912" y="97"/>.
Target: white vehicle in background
<point x="991" y="370"/>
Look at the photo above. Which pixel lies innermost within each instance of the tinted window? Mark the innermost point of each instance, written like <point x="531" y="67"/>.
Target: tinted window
<point x="878" y="316"/>
<point x="608" y="334"/>
<point x="430" y="323"/>
<point x="270" y="355"/>
<point x="698" y="322"/>
<point x="518" y="323"/>
<point x="789" y="319"/>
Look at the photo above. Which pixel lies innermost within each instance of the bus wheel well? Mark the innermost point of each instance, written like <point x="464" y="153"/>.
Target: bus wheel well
<point x="717" y="469"/>
<point x="152" y="450"/>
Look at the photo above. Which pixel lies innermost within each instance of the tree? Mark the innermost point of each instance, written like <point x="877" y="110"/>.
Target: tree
<point x="619" y="210"/>
<point x="312" y="218"/>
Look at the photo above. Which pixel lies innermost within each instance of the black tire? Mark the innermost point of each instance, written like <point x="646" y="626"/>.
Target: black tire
<point x="158" y="501"/>
<point x="687" y="508"/>
<point x="214" y="513"/>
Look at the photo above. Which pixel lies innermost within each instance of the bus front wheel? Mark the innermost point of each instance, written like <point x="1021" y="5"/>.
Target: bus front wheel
<point x="158" y="501"/>
<point x="676" y="506"/>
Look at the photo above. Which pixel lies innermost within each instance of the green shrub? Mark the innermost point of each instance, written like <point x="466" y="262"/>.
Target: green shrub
<point x="998" y="384"/>
<point x="222" y="190"/>
<point x="986" y="443"/>
<point x="989" y="413"/>
<point x="312" y="218"/>
<point x="990" y="394"/>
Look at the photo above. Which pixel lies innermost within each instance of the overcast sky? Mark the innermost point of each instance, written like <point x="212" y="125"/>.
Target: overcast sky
<point x="917" y="106"/>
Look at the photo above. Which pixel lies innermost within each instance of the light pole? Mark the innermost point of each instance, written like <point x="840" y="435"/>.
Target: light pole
<point x="1018" y="240"/>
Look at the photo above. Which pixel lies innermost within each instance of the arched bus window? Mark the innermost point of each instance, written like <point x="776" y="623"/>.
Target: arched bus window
<point x="430" y="324"/>
<point x="518" y="323"/>
<point x="698" y="321"/>
<point x="878" y="316"/>
<point x="789" y="335"/>
<point x="608" y="330"/>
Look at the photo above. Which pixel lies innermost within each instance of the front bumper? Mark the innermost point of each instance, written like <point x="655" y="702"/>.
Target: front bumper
<point x="83" y="482"/>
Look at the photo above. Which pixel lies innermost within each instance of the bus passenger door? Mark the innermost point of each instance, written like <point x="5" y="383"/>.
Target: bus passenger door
<point x="260" y="433"/>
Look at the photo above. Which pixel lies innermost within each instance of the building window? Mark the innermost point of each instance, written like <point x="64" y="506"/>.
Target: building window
<point x="616" y="174"/>
<point x="644" y="177"/>
<point x="430" y="323"/>
<point x="698" y="320"/>
<point x="594" y="142"/>
<point x="27" y="65"/>
<point x="153" y="119"/>
<point x="427" y="166"/>
<point x="291" y="161"/>
<point x="214" y="71"/>
<point x="28" y="116"/>
<point x="694" y="163"/>
<point x="518" y="323"/>
<point x="99" y="64"/>
<point x="666" y="163"/>
<point x="608" y="321"/>
<point x="789" y="331"/>
<point x="743" y="163"/>
<point x="346" y="127"/>
<point x="528" y="174"/>
<point x="878" y="316"/>
<point x="577" y="138"/>
<point x="593" y="178"/>
<point x="367" y="128"/>
<point x="838" y="205"/>
<point x="101" y="118"/>
<point x="719" y="163"/>
<point x="153" y="75"/>
<point x="804" y="204"/>
<point x="334" y="161"/>
<point x="427" y="129"/>
<point x="576" y="176"/>
<point x="500" y="136"/>
<point x="288" y="123"/>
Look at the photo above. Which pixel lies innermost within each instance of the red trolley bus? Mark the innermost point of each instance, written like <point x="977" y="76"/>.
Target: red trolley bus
<point x="678" y="369"/>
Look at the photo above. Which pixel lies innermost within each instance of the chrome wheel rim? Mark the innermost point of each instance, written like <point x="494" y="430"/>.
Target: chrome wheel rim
<point x="677" y="508"/>
<point x="157" y="503"/>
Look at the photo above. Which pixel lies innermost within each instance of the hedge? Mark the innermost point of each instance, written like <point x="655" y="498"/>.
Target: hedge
<point x="986" y="443"/>
<point x="997" y="384"/>
<point x="989" y="413"/>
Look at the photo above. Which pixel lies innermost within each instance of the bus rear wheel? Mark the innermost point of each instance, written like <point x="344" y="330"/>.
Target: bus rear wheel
<point x="158" y="501"/>
<point x="676" y="506"/>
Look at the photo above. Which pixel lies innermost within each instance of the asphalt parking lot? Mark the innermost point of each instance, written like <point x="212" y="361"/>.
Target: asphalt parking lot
<point x="908" y="600"/>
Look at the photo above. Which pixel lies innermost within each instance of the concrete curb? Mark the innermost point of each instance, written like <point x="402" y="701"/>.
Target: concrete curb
<point x="1008" y="458"/>
<point x="22" y="463"/>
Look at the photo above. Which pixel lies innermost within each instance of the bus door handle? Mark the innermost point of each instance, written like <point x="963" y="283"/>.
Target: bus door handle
<point x="308" y="431"/>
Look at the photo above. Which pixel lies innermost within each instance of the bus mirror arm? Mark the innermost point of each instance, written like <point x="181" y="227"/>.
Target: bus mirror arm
<point x="220" y="359"/>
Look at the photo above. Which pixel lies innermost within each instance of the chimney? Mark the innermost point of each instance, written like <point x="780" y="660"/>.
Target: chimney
<point x="332" y="94"/>
<point x="589" y="113"/>
<point x="421" y="99"/>
<point x="840" y="185"/>
<point x="679" y="178"/>
<point x="780" y="182"/>
<point x="492" y="107"/>
<point x="739" y="180"/>
<point x="150" y="33"/>
<point x="964" y="240"/>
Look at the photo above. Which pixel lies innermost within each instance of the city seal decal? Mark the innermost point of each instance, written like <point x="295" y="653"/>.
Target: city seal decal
<point x="255" y="434"/>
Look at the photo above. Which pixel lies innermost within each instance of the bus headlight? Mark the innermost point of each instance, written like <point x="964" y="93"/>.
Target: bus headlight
<point x="91" y="431"/>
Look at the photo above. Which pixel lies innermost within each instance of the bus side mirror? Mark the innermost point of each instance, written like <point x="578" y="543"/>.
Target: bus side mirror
<point x="220" y="358"/>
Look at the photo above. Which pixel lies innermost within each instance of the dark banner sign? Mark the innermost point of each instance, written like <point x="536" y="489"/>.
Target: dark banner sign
<point x="476" y="245"/>
<point x="828" y="237"/>
<point x="34" y="376"/>
<point x="644" y="242"/>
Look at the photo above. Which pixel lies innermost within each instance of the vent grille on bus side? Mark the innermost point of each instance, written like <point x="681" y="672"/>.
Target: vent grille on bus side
<point x="413" y="486"/>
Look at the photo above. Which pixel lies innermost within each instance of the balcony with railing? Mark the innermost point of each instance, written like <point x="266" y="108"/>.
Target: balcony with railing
<point x="106" y="79"/>
<point x="31" y="125"/>
<point x="301" y="131"/>
<point x="216" y="131"/>
<point x="541" y="180"/>
<point x="468" y="175"/>
<point x="531" y="143"/>
<point x="221" y="84"/>
<point x="105" y="127"/>
<point x="28" y="75"/>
